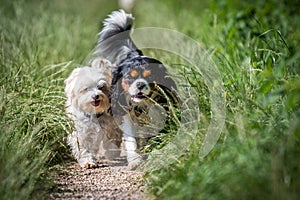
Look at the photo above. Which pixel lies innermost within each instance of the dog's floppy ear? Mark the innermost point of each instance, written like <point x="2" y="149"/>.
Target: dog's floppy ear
<point x="104" y="67"/>
<point x="160" y="75"/>
<point x="117" y="75"/>
<point x="117" y="95"/>
<point x="164" y="80"/>
<point x="70" y="81"/>
<point x="69" y="88"/>
<point x="169" y="86"/>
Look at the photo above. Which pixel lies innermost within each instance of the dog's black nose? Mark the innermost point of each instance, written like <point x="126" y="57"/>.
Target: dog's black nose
<point x="95" y="96"/>
<point x="140" y="85"/>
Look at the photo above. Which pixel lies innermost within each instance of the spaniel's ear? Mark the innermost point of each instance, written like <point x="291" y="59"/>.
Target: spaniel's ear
<point x="160" y="75"/>
<point x="117" y="75"/>
<point x="116" y="82"/>
<point x="164" y="80"/>
<point x="118" y="96"/>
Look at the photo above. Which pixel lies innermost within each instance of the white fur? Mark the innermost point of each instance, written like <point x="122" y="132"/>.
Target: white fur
<point x="129" y="135"/>
<point x="133" y="90"/>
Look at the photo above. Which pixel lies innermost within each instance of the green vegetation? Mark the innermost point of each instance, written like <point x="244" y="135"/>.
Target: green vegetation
<point x="40" y="43"/>
<point x="254" y="44"/>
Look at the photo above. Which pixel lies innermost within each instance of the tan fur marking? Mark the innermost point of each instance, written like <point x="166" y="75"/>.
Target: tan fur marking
<point x="125" y="85"/>
<point x="134" y="73"/>
<point x="146" y="73"/>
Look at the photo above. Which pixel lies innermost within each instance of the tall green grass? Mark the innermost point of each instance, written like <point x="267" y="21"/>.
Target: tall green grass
<point x="40" y="43"/>
<point x="255" y="46"/>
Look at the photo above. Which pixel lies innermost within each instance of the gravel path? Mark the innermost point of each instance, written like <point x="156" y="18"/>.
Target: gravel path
<point x="111" y="180"/>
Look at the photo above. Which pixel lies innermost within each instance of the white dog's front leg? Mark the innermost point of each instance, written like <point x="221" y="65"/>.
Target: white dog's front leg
<point x="80" y="151"/>
<point x="133" y="158"/>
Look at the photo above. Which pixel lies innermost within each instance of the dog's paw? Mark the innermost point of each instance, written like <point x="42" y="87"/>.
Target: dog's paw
<point x="88" y="161"/>
<point x="90" y="166"/>
<point x="133" y="159"/>
<point x="132" y="165"/>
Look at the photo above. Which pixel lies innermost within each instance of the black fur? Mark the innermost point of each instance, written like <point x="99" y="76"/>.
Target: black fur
<point x="158" y="78"/>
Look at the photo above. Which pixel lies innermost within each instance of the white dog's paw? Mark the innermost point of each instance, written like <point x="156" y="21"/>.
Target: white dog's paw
<point x="134" y="164"/>
<point x="134" y="160"/>
<point x="90" y="166"/>
<point x="87" y="161"/>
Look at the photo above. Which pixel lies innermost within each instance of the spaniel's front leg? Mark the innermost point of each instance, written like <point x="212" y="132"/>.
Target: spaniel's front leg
<point x="129" y="136"/>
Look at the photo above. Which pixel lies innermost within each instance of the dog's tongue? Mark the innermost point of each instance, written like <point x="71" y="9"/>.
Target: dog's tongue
<point x="95" y="103"/>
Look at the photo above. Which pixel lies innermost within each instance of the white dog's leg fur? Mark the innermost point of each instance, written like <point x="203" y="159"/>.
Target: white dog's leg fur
<point x="79" y="151"/>
<point x="129" y="134"/>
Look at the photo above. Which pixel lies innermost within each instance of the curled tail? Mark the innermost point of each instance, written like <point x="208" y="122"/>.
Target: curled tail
<point x="114" y="42"/>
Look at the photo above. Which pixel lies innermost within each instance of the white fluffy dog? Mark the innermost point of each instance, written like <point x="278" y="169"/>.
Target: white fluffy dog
<point x="96" y="134"/>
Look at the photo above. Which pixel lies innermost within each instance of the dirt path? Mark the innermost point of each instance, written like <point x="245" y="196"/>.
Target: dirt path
<point x="111" y="180"/>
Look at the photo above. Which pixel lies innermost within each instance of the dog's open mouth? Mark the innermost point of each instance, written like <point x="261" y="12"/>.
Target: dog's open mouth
<point x="95" y="103"/>
<point x="139" y="95"/>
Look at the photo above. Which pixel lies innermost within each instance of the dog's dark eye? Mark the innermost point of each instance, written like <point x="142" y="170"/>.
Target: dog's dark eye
<point x="100" y="87"/>
<point x="84" y="90"/>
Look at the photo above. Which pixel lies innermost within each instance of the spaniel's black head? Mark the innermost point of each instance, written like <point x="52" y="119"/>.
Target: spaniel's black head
<point x="135" y="80"/>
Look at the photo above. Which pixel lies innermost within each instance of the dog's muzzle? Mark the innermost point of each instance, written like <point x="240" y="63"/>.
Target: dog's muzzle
<point x="96" y="100"/>
<point x="139" y="90"/>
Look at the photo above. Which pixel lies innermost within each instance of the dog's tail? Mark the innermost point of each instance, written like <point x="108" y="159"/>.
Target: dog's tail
<point x="114" y="42"/>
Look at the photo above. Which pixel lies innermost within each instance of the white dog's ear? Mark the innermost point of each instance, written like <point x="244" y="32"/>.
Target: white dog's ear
<point x="101" y="64"/>
<point x="104" y="67"/>
<point x="70" y="81"/>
